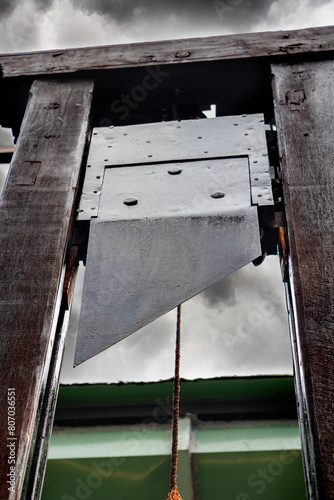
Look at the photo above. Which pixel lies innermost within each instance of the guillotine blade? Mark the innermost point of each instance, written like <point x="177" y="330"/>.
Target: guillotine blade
<point x="140" y="270"/>
<point x="165" y="230"/>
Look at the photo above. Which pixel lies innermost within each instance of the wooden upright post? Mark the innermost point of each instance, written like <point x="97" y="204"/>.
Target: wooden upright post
<point x="36" y="214"/>
<point x="304" y="96"/>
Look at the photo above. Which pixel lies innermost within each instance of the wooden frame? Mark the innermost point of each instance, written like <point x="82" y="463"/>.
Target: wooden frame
<point x="36" y="215"/>
<point x="37" y="207"/>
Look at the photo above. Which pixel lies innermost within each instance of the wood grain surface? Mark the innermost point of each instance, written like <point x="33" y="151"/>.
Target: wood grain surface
<point x="240" y="46"/>
<point x="36" y="213"/>
<point x="304" y="95"/>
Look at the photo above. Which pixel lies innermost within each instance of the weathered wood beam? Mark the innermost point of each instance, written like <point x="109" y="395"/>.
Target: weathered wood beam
<point x="214" y="48"/>
<point x="304" y="95"/>
<point x="36" y="214"/>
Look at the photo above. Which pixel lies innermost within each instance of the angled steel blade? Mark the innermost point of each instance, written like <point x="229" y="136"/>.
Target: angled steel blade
<point x="178" y="234"/>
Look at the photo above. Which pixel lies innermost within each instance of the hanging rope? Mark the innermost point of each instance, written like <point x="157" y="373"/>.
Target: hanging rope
<point x="173" y="493"/>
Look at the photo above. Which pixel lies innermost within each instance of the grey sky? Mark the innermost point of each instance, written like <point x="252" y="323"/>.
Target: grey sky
<point x="37" y="24"/>
<point x="239" y="326"/>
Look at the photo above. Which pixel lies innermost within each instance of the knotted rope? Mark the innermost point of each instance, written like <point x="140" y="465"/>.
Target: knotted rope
<point x="173" y="493"/>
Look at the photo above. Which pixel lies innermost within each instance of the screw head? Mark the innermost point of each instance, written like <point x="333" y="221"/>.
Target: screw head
<point x="217" y="194"/>
<point x="174" y="171"/>
<point x="130" y="201"/>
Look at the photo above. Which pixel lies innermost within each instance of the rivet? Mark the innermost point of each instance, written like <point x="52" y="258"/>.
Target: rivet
<point x="199" y="137"/>
<point x="243" y="116"/>
<point x="254" y="161"/>
<point x="109" y="146"/>
<point x="150" y="156"/>
<point x="217" y="195"/>
<point x="130" y="201"/>
<point x="259" y="195"/>
<point x="264" y="154"/>
<point x="235" y="124"/>
<point x="246" y="134"/>
<point x="98" y="177"/>
<point x="256" y="178"/>
<point x="88" y="166"/>
<point x="174" y="171"/>
<point x="269" y="198"/>
<point x="206" y="151"/>
<point x="106" y="159"/>
<point x="93" y="208"/>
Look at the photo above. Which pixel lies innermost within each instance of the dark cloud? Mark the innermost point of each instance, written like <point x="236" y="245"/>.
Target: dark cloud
<point x="6" y="7"/>
<point x="230" y="12"/>
<point x="222" y="292"/>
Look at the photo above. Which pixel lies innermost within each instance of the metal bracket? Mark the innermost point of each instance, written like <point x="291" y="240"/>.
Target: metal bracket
<point x="172" y="215"/>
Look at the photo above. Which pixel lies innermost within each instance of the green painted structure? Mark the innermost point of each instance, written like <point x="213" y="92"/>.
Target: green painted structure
<point x="219" y="459"/>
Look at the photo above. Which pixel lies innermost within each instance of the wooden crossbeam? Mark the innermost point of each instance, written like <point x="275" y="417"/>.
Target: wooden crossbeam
<point x="241" y="46"/>
<point x="36" y="214"/>
<point x="303" y="95"/>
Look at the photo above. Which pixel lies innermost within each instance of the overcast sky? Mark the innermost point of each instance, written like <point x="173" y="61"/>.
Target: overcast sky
<point x="239" y="326"/>
<point x="47" y="24"/>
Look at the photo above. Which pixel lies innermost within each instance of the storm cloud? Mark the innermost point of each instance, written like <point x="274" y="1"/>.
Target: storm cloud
<point x="232" y="12"/>
<point x="55" y="24"/>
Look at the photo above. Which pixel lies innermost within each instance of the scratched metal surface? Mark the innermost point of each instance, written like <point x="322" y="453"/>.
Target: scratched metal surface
<point x="229" y="136"/>
<point x="175" y="189"/>
<point x="138" y="270"/>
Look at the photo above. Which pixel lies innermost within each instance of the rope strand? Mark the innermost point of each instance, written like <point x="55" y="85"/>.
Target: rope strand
<point x="174" y="494"/>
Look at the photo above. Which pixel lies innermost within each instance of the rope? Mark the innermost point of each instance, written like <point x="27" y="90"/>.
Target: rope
<point x="173" y="493"/>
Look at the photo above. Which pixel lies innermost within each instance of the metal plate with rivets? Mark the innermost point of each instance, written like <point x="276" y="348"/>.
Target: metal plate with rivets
<point x="230" y="136"/>
<point x="199" y="188"/>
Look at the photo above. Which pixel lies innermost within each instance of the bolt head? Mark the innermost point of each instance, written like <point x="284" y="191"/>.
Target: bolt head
<point x="217" y="194"/>
<point x="174" y="171"/>
<point x="130" y="201"/>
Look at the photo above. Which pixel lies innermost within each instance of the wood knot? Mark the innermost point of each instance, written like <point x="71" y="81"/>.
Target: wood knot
<point x="182" y="54"/>
<point x="294" y="99"/>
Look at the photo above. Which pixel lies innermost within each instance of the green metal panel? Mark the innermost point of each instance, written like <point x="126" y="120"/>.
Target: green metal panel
<point x="126" y="462"/>
<point x="247" y="438"/>
<point x="219" y="461"/>
<point x="271" y="475"/>
<point x="100" y="478"/>
<point x="232" y="389"/>
<point x="229" y="476"/>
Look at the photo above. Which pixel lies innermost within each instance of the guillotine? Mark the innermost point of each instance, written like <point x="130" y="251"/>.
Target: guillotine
<point x="55" y="101"/>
